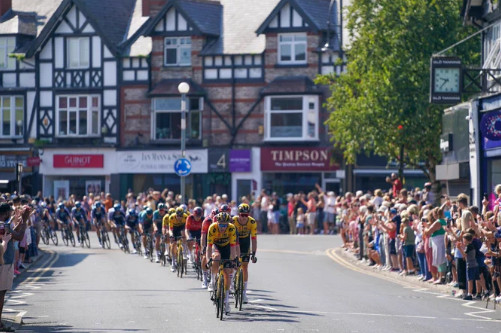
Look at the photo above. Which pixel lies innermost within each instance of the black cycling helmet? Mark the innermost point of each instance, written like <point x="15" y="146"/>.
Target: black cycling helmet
<point x="161" y="206"/>
<point x="117" y="206"/>
<point x="244" y="208"/>
<point x="225" y="208"/>
<point x="61" y="205"/>
<point x="98" y="204"/>
<point x="78" y="204"/>
<point x="132" y="212"/>
<point x="198" y="211"/>
<point x="149" y="211"/>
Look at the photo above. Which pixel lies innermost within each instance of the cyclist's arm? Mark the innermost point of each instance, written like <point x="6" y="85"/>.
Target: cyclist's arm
<point x="253" y="234"/>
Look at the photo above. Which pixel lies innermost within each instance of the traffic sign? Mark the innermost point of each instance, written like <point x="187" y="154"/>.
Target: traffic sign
<point x="182" y="167"/>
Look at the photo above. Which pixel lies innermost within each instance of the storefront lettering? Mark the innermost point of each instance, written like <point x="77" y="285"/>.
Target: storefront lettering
<point x="79" y="161"/>
<point x="299" y="155"/>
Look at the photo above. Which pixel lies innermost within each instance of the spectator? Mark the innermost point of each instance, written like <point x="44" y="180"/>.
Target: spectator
<point x="108" y="202"/>
<point x="396" y="184"/>
<point x="330" y="211"/>
<point x="300" y="219"/>
<point x="291" y="203"/>
<point x="264" y="200"/>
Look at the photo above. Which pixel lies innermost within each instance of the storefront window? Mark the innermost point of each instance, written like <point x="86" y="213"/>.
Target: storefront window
<point x="284" y="183"/>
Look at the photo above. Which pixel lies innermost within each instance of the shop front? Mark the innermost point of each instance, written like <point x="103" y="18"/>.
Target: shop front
<point x="14" y="167"/>
<point x="294" y="169"/>
<point x="246" y="173"/>
<point x="154" y="169"/>
<point x="79" y="172"/>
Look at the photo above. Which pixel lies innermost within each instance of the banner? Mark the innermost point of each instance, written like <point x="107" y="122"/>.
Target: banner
<point x="240" y="160"/>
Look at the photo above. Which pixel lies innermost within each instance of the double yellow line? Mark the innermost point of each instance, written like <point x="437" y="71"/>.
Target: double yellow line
<point x="45" y="267"/>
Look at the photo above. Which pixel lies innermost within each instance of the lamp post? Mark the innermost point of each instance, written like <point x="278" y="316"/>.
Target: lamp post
<point x="19" y="170"/>
<point x="183" y="89"/>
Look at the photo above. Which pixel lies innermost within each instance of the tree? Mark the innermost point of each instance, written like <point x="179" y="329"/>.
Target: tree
<point x="381" y="102"/>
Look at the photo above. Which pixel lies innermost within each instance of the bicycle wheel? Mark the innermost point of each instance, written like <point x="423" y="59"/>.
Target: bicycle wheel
<point x="235" y="287"/>
<point x="108" y="242"/>
<point x="53" y="236"/>
<point x="215" y="297"/>
<point x="179" y="262"/>
<point x="240" y="289"/>
<point x="87" y="240"/>
<point x="81" y="238"/>
<point x="72" y="238"/>
<point x="221" y="295"/>
<point x="45" y="236"/>
<point x="163" y="259"/>
<point x="64" y="236"/>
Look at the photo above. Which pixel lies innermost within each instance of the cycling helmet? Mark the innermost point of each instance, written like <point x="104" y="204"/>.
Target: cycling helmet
<point x="244" y="208"/>
<point x="172" y="210"/>
<point x="98" y="204"/>
<point x="179" y="211"/>
<point x="117" y="206"/>
<point x="223" y="217"/>
<point x="145" y="207"/>
<point x="184" y="207"/>
<point x="149" y="211"/>
<point x="225" y="208"/>
<point x="61" y="205"/>
<point x="132" y="212"/>
<point x="161" y="206"/>
<point x="78" y="204"/>
<point x="198" y="211"/>
<point x="214" y="212"/>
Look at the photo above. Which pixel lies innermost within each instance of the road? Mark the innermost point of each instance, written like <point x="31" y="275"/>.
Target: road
<point x="296" y="286"/>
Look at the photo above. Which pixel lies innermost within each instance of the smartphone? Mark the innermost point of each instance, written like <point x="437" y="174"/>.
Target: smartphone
<point x="7" y="228"/>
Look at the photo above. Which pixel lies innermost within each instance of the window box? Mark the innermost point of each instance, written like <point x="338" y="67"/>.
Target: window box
<point x="291" y="118"/>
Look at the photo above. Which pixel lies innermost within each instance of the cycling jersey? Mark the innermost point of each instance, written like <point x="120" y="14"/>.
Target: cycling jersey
<point x="118" y="217"/>
<point x="192" y="224"/>
<point x="145" y="220"/>
<point x="247" y="229"/>
<point x="221" y="239"/>
<point x="206" y="224"/>
<point x="131" y="220"/>
<point x="63" y="215"/>
<point x="158" y="218"/>
<point x="97" y="214"/>
<point x="79" y="214"/>
<point x="172" y="221"/>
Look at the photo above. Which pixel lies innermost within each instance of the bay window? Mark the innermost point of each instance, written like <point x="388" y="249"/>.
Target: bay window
<point x="291" y="118"/>
<point x="12" y="116"/>
<point x="167" y="118"/>
<point x="78" y="116"/>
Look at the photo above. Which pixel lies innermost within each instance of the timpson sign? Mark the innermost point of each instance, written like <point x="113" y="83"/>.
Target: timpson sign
<point x="298" y="159"/>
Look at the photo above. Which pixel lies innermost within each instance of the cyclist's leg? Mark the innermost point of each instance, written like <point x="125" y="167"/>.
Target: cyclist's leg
<point x="216" y="258"/>
<point x="77" y="227"/>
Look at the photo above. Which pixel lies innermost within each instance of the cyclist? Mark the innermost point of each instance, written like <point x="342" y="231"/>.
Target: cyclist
<point x="63" y="216"/>
<point x="225" y="209"/>
<point x="247" y="234"/>
<point x="158" y="217"/>
<point x="205" y="228"/>
<point x="223" y="236"/>
<point x="78" y="216"/>
<point x="116" y="217"/>
<point x="99" y="218"/>
<point x="131" y="220"/>
<point x="47" y="219"/>
<point x="145" y="227"/>
<point x="177" y="222"/>
<point x="194" y="229"/>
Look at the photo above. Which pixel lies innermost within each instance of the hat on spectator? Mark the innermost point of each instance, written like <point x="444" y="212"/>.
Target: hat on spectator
<point x="5" y="207"/>
<point x="359" y="194"/>
<point x="382" y="209"/>
<point x="427" y="184"/>
<point x="393" y="211"/>
<point x="330" y="194"/>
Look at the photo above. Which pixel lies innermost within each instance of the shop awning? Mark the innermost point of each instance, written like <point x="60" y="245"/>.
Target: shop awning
<point x="168" y="87"/>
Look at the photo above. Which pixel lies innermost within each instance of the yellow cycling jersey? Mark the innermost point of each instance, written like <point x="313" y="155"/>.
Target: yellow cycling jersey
<point x="215" y="236"/>
<point x="171" y="221"/>
<point x="247" y="229"/>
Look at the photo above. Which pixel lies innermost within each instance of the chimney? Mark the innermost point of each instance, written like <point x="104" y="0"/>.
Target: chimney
<point x="5" y="6"/>
<point x="145" y="7"/>
<point x="155" y="6"/>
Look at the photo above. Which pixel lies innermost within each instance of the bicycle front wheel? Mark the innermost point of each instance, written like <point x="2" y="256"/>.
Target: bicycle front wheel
<point x="87" y="240"/>
<point x="45" y="236"/>
<point x="64" y="236"/>
<point x="240" y="289"/>
<point x="220" y="290"/>
<point x="53" y="236"/>
<point x="72" y="238"/>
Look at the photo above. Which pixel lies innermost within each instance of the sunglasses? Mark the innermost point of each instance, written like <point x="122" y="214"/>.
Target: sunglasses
<point x="244" y="215"/>
<point x="222" y="225"/>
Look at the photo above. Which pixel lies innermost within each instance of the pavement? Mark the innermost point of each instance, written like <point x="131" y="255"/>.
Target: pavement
<point x="10" y="317"/>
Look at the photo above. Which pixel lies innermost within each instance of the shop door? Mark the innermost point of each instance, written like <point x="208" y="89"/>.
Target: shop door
<point x="244" y="188"/>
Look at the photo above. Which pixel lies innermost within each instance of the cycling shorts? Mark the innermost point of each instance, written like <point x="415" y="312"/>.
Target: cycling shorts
<point x="132" y="225"/>
<point x="244" y="245"/>
<point x="224" y="251"/>
<point x="177" y="232"/>
<point x="195" y="235"/>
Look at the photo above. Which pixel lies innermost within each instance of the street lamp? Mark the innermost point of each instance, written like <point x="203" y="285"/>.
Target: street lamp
<point x="183" y="89"/>
<point x="19" y="169"/>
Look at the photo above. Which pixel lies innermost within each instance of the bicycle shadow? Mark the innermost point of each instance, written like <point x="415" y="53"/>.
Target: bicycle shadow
<point x="63" y="328"/>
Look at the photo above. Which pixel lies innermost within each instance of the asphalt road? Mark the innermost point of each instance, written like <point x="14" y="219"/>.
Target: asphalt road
<point x="295" y="287"/>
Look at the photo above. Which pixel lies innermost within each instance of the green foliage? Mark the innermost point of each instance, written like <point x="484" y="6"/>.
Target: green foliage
<point x="387" y="79"/>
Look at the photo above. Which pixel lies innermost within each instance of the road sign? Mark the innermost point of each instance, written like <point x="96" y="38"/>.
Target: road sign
<point x="182" y="167"/>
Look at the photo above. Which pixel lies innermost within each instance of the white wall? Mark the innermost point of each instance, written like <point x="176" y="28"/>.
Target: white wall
<point x="255" y="174"/>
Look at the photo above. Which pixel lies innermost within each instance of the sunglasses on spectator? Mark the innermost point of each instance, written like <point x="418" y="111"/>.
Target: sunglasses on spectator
<point x="424" y="220"/>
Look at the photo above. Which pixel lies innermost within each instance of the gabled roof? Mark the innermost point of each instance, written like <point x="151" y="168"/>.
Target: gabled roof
<point x="110" y="18"/>
<point x="205" y="16"/>
<point x="315" y="12"/>
<point x="241" y="18"/>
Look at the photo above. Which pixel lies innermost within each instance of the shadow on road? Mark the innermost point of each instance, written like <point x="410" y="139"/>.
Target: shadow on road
<point x="40" y="328"/>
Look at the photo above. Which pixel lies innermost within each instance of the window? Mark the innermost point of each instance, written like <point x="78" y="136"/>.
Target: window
<point x="167" y="118"/>
<point x="78" y="52"/>
<point x="12" y="116"/>
<point x="177" y="51"/>
<point x="7" y="45"/>
<point x="78" y="116"/>
<point x="291" y="118"/>
<point x="292" y="49"/>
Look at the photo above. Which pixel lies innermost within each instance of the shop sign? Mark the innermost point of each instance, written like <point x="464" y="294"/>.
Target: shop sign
<point x="33" y="161"/>
<point x="10" y="161"/>
<point x="298" y="159"/>
<point x="218" y="160"/>
<point x="490" y="127"/>
<point x="240" y="160"/>
<point x="159" y="161"/>
<point x="78" y="161"/>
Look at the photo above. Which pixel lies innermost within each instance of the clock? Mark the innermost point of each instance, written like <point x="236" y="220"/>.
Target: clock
<point x="447" y="80"/>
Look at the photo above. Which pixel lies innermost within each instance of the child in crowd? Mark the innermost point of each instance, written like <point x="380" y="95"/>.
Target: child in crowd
<point x="408" y="242"/>
<point x="300" y="221"/>
<point x="469" y="253"/>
